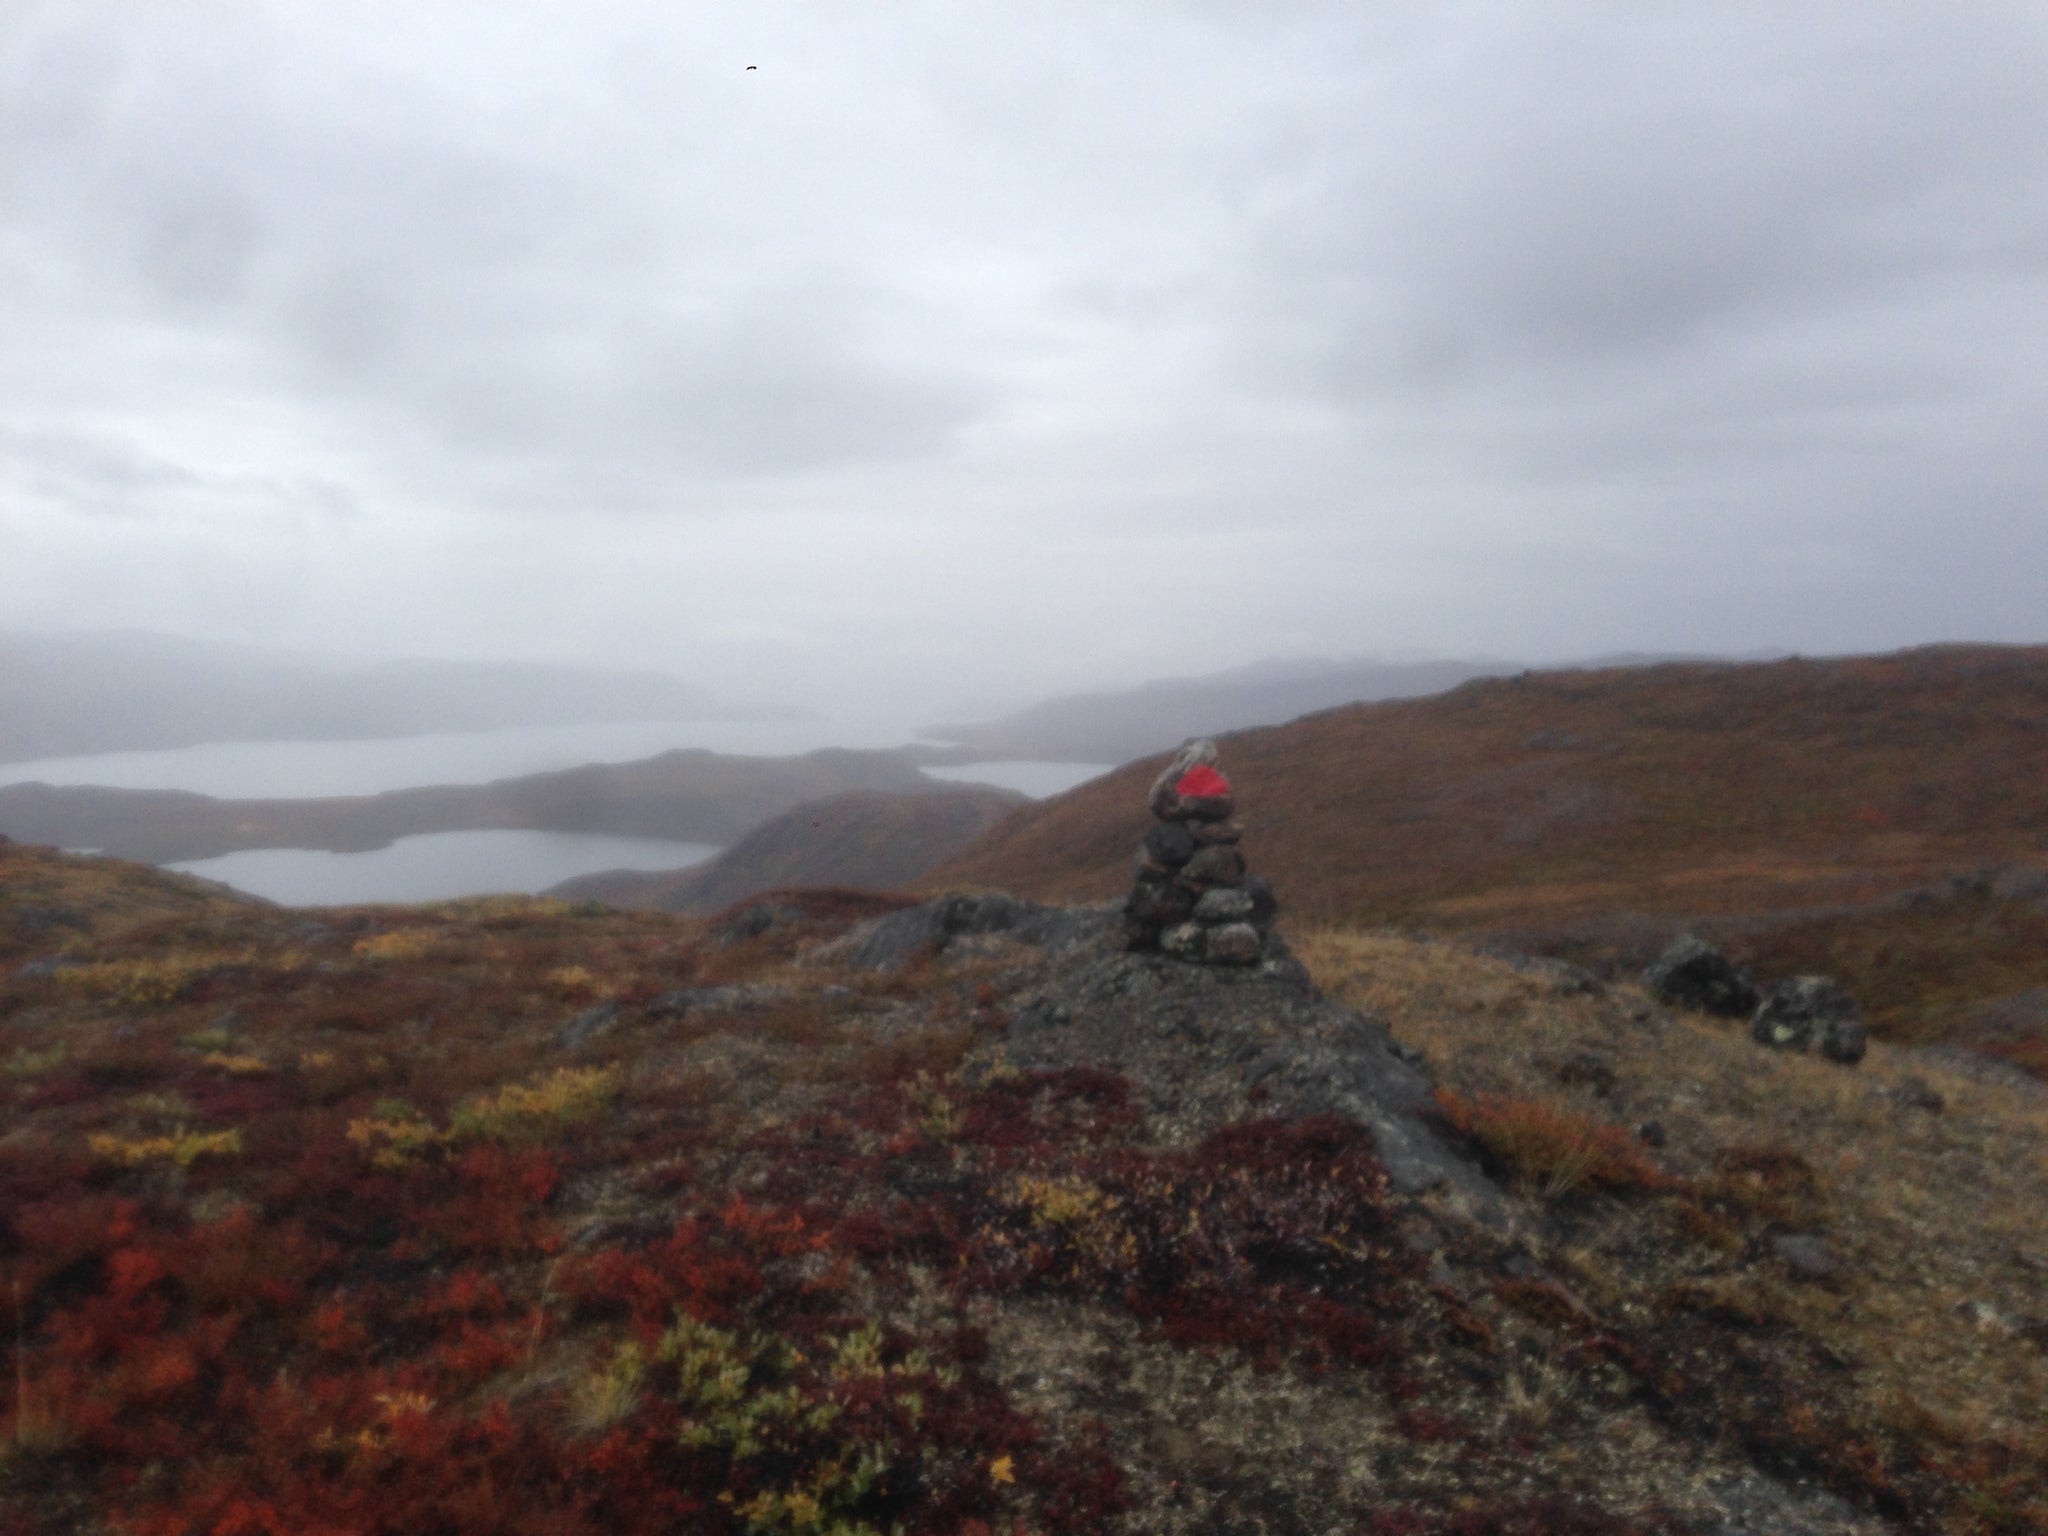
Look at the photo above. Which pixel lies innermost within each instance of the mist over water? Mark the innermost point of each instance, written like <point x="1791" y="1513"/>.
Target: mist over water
<point x="300" y="770"/>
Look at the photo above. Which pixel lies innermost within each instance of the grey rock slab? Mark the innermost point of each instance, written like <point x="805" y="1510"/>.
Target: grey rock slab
<point x="682" y="1000"/>
<point x="891" y="942"/>
<point x="1196" y="1037"/>
<point x="586" y="1026"/>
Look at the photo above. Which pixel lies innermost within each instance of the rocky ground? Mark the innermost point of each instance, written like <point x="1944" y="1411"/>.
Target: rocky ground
<point x="833" y="1213"/>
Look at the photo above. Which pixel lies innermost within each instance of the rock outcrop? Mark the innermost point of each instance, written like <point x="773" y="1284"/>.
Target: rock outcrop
<point x="1691" y="973"/>
<point x="1805" y="1012"/>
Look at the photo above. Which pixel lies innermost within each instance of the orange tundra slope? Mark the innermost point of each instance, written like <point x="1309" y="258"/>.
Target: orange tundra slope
<point x="1590" y="812"/>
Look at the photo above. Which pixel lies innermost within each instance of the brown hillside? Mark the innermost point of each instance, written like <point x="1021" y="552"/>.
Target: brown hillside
<point x="865" y="839"/>
<point x="1590" y="812"/>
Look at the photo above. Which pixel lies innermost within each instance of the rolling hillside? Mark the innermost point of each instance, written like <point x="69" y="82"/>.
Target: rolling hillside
<point x="865" y="838"/>
<point x="690" y="795"/>
<point x="1591" y="813"/>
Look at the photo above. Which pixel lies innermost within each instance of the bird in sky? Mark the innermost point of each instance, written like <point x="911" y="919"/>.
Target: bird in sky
<point x="753" y="66"/>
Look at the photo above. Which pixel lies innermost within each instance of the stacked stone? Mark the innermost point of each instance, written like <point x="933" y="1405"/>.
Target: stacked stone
<point x="1193" y="898"/>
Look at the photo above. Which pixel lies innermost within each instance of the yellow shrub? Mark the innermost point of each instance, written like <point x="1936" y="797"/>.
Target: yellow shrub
<point x="405" y="944"/>
<point x="393" y="1134"/>
<point x="184" y="1148"/>
<point x="146" y="983"/>
<point x="28" y="1063"/>
<point x="521" y="1111"/>
<point x="1081" y="1214"/>
<point x="571" y="981"/>
<point x="236" y="1064"/>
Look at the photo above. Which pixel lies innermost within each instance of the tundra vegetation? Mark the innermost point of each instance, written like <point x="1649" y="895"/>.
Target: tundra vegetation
<point x="528" y="1217"/>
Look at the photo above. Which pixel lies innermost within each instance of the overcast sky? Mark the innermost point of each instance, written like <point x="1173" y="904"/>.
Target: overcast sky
<point x="961" y="352"/>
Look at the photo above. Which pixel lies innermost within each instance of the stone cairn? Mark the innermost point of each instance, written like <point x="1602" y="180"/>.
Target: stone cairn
<point x="1192" y="898"/>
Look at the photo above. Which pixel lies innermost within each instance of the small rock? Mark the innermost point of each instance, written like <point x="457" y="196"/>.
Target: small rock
<point x="1160" y="903"/>
<point x="1184" y="941"/>
<point x="1220" y="865"/>
<point x="1169" y="844"/>
<point x="1693" y="974"/>
<point x="1223" y="905"/>
<point x="1651" y="1134"/>
<point x="1233" y="944"/>
<point x="1807" y="1256"/>
<point x="1811" y="1010"/>
<point x="1209" y="833"/>
<point x="1210" y="808"/>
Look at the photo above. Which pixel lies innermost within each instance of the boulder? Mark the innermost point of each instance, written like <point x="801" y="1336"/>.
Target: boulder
<point x="1207" y="832"/>
<point x="1693" y="974"/>
<point x="1811" y="1011"/>
<point x="1186" y="941"/>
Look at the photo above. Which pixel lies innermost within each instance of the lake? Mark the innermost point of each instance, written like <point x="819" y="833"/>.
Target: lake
<point x="442" y="865"/>
<point x="437" y="866"/>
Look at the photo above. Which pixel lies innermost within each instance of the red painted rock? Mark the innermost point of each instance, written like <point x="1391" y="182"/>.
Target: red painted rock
<point x="1166" y="800"/>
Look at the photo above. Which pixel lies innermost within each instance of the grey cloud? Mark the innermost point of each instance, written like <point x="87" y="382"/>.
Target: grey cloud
<point x="968" y="328"/>
<point x="1622" y="187"/>
<point x="108" y="475"/>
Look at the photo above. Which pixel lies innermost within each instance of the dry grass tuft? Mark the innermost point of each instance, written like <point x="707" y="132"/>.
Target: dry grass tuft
<point x="1547" y="1147"/>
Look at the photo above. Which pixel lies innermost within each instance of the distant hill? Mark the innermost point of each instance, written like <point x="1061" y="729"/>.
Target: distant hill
<point x="109" y="691"/>
<point x="1588" y="813"/>
<point x="1115" y="727"/>
<point x="865" y="838"/>
<point x="688" y="795"/>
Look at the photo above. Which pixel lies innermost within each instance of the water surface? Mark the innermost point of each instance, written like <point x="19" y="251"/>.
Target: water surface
<point x="438" y="866"/>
